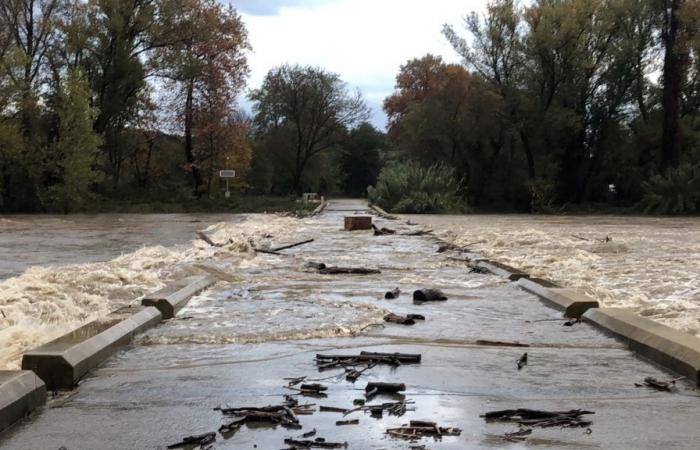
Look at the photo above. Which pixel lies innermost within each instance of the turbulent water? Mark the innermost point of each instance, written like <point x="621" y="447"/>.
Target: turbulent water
<point x="46" y="301"/>
<point x="60" y="272"/>
<point x="650" y="265"/>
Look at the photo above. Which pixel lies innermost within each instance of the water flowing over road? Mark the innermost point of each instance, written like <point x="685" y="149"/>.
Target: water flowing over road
<point x="268" y="315"/>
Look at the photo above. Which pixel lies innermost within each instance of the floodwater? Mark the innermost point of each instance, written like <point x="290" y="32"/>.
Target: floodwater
<point x="62" y="271"/>
<point x="236" y="343"/>
<point x="648" y="264"/>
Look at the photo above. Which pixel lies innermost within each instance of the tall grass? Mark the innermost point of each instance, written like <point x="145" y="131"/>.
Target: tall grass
<point x="411" y="188"/>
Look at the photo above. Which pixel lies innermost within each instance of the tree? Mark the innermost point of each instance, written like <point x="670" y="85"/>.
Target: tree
<point x="76" y="149"/>
<point x="207" y="69"/>
<point x="308" y="106"/>
<point x="360" y="160"/>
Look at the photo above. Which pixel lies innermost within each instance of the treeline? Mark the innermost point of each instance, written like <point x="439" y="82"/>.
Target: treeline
<point x="560" y="103"/>
<point x="136" y="101"/>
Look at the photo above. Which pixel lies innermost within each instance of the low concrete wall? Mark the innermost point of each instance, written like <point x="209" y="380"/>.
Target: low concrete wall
<point x="319" y="208"/>
<point x="174" y="297"/>
<point x="62" y="362"/>
<point x="666" y="346"/>
<point x="572" y="302"/>
<point x="21" y="391"/>
<point x="502" y="270"/>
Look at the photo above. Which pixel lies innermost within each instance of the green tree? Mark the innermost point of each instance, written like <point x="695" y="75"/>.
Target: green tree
<point x="76" y="148"/>
<point x="360" y="160"/>
<point x="302" y="112"/>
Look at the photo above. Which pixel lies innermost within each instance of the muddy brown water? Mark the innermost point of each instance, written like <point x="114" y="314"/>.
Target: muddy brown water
<point x="268" y="316"/>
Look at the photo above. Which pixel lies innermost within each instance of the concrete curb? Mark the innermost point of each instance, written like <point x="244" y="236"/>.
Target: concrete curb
<point x="174" y="297"/>
<point x="572" y="302"/>
<point x="381" y="213"/>
<point x="664" y="345"/>
<point x="501" y="270"/>
<point x="319" y="208"/>
<point x="21" y="391"/>
<point x="62" y="362"/>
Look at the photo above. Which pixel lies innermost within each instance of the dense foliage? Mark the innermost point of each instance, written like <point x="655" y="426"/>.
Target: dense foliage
<point x="411" y="188"/>
<point x="557" y="104"/>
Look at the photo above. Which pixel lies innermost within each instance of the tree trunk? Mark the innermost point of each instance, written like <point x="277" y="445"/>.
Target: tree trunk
<point x="531" y="174"/>
<point x="189" y="147"/>
<point x="675" y="65"/>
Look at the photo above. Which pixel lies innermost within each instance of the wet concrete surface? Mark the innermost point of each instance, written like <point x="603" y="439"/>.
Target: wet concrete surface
<point x="167" y="385"/>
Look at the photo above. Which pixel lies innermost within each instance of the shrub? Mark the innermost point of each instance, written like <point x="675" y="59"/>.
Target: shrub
<point x="677" y="191"/>
<point x="410" y="188"/>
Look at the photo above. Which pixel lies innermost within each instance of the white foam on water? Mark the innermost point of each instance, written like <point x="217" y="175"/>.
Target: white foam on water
<point x="650" y="265"/>
<point x="45" y="302"/>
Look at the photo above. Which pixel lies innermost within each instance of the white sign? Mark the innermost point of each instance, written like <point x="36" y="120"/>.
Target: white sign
<point x="227" y="173"/>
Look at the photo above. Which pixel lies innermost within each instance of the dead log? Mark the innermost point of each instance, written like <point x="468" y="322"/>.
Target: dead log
<point x="392" y="294"/>
<point x="428" y="295"/>
<point x="316" y="443"/>
<point x="269" y="252"/>
<point x="285" y="247"/>
<point x="659" y="385"/>
<point x="393" y="408"/>
<point x="200" y="439"/>
<point x="385" y="388"/>
<point x="401" y="320"/>
<point x="401" y="357"/>
<point x="347" y="270"/>
<point x="332" y="409"/>
<point x="415" y="316"/>
<point x="543" y="419"/>
<point x="347" y="422"/>
<point x="417" y="429"/>
<point x="314" y="265"/>
<point x="382" y="231"/>
<point x="501" y="343"/>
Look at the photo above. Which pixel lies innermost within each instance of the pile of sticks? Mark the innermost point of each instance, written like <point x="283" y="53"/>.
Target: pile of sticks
<point x="297" y="444"/>
<point x="285" y="415"/>
<point x="543" y="419"/>
<point x="392" y="408"/>
<point x="417" y="429"/>
<point x="393" y="359"/>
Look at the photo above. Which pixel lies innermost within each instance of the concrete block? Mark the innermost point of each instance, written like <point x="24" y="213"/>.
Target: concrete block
<point x="62" y="362"/>
<point x="574" y="303"/>
<point x="358" y="223"/>
<point x="21" y="391"/>
<point x="670" y="348"/>
<point x="175" y="296"/>
<point x="502" y="270"/>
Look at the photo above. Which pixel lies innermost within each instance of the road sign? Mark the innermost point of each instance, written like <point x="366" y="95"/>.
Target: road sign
<point x="227" y="173"/>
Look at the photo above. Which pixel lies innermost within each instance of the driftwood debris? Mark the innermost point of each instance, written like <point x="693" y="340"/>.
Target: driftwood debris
<point x="522" y="362"/>
<point x="308" y="434"/>
<point x="348" y="422"/>
<point x="297" y="444"/>
<point x="375" y="388"/>
<point x="571" y="323"/>
<point x="377" y="410"/>
<point x="285" y="415"/>
<point x="296" y="244"/>
<point x="543" y="419"/>
<point x="382" y="231"/>
<point x="314" y="265"/>
<point x="659" y="385"/>
<point x="429" y="295"/>
<point x="417" y="429"/>
<point x="517" y="436"/>
<point x="415" y="316"/>
<point x="501" y="343"/>
<point x="394" y="359"/>
<point x="352" y="374"/>
<point x="347" y="270"/>
<point x="207" y="239"/>
<point x="332" y="409"/>
<point x="199" y="439"/>
<point x="392" y="294"/>
<point x="401" y="320"/>
<point x="311" y="390"/>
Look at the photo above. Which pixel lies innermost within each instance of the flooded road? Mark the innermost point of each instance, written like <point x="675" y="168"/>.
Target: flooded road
<point x="648" y="264"/>
<point x="268" y="315"/>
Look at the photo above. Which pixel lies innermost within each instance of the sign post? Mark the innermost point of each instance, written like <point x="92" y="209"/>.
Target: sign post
<point x="227" y="174"/>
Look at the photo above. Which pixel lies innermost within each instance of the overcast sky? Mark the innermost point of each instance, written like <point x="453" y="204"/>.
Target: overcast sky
<point x="365" y="41"/>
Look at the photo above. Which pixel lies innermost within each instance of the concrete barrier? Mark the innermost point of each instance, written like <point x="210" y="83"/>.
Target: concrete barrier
<point x="574" y="303"/>
<point x="501" y="270"/>
<point x="175" y="296"/>
<point x="21" y="391"/>
<point x="673" y="349"/>
<point x="62" y="362"/>
<point x="320" y="207"/>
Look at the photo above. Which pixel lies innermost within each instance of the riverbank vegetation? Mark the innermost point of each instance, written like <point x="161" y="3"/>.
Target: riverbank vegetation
<point x="556" y="105"/>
